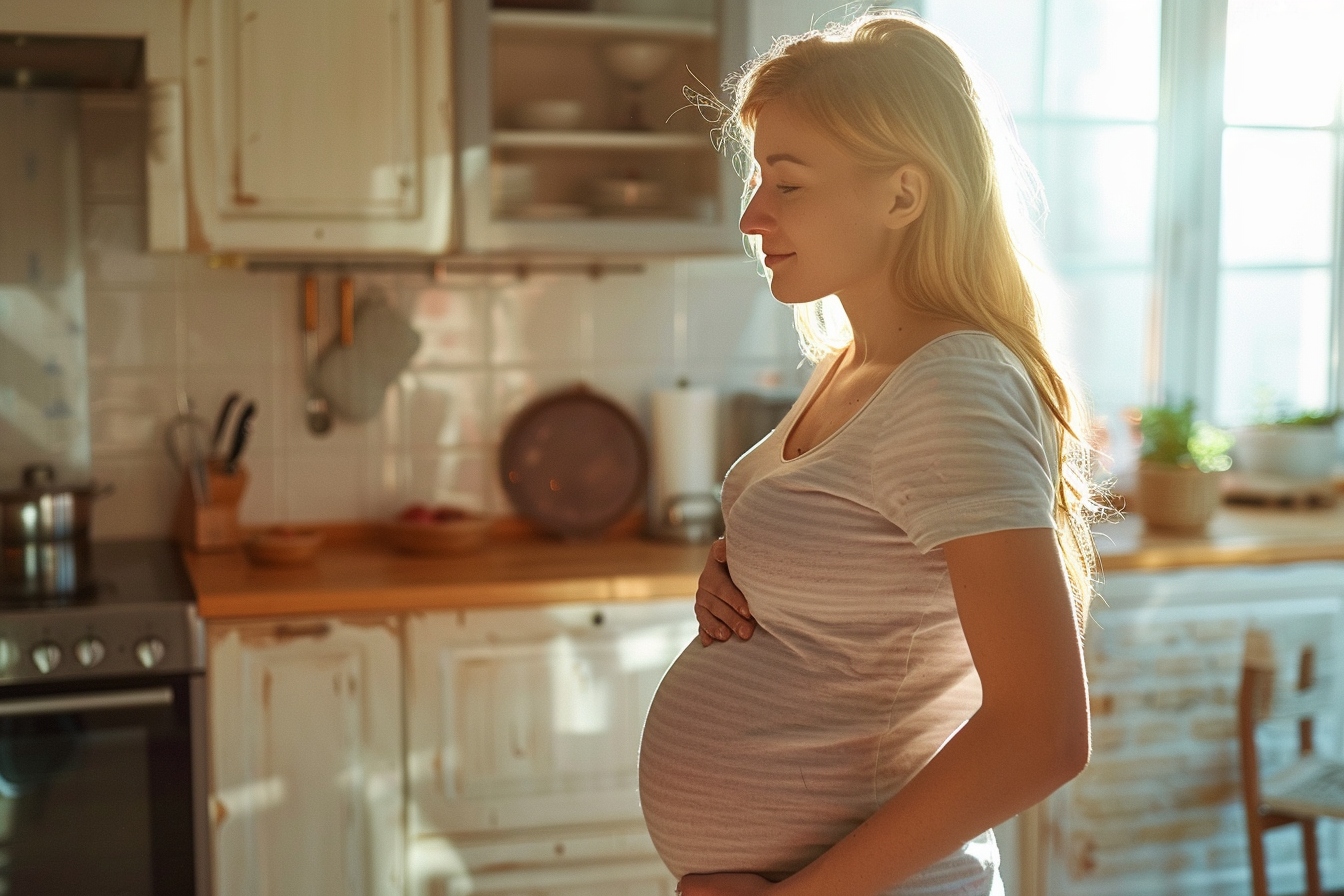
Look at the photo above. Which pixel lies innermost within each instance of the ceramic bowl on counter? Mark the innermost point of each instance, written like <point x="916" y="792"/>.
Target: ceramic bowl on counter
<point x="548" y="115"/>
<point x="444" y="530"/>
<point x="283" y="546"/>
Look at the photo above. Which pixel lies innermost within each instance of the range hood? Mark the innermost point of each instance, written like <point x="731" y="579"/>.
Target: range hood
<point x="72" y="63"/>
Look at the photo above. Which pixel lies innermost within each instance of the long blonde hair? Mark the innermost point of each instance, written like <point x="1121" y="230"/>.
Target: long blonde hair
<point x="890" y="90"/>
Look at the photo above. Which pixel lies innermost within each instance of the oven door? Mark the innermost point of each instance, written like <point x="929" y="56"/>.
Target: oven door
<point x="100" y="788"/>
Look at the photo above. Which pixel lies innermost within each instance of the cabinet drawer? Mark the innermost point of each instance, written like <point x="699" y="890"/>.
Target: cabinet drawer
<point x="531" y="718"/>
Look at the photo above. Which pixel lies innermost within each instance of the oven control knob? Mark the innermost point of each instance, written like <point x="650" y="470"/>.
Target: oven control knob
<point x="90" y="652"/>
<point x="46" y="657"/>
<point x="150" y="652"/>
<point x="9" y="654"/>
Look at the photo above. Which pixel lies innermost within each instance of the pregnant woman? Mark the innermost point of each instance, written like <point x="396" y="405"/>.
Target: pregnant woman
<point x="890" y="659"/>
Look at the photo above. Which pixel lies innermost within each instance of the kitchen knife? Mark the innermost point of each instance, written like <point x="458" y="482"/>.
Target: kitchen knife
<point x="222" y="424"/>
<point x="240" y="436"/>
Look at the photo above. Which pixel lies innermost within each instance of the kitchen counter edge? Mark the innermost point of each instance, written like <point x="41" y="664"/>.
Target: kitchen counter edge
<point x="357" y="575"/>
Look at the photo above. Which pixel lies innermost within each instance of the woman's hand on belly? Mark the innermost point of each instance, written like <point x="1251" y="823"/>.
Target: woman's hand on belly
<point x="723" y="885"/>
<point x="720" y="608"/>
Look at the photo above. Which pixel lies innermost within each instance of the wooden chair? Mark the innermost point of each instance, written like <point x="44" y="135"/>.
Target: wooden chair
<point x="1310" y="787"/>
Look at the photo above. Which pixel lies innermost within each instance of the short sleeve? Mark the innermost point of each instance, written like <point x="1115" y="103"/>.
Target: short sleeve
<point x="963" y="450"/>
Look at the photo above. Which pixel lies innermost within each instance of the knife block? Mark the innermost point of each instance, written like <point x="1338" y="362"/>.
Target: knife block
<point x="210" y="525"/>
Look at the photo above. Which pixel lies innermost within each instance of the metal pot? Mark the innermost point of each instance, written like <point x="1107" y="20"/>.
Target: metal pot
<point x="42" y="511"/>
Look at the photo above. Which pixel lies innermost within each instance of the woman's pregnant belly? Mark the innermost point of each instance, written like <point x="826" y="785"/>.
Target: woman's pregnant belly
<point x="752" y="760"/>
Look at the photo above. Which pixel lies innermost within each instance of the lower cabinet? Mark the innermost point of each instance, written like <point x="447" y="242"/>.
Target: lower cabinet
<point x="307" y="792"/>
<point x="523" y="732"/>
<point x="1158" y="810"/>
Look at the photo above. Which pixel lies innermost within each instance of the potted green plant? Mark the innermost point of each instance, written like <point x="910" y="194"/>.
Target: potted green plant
<point x="1178" y="463"/>
<point x="1296" y="446"/>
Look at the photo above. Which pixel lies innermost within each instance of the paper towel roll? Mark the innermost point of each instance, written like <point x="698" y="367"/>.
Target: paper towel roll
<point x="685" y="450"/>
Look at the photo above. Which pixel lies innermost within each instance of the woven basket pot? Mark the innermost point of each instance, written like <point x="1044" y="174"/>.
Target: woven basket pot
<point x="1178" y="500"/>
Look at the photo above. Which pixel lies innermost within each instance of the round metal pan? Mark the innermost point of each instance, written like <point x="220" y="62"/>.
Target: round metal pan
<point x="574" y="462"/>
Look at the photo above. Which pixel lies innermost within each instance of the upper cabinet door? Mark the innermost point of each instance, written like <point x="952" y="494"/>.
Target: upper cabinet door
<point x="319" y="126"/>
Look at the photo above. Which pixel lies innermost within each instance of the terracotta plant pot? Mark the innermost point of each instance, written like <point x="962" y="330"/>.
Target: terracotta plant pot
<point x="1179" y="500"/>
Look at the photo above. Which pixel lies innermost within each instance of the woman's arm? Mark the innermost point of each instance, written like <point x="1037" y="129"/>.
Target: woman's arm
<point x="1029" y="736"/>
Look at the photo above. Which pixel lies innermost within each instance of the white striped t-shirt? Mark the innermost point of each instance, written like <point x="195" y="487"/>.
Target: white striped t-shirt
<point x="759" y="755"/>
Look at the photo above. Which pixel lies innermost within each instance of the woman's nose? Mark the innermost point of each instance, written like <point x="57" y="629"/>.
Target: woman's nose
<point x="755" y="219"/>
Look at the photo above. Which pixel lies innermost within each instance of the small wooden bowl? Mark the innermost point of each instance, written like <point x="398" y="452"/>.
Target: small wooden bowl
<point x="283" y="546"/>
<point x="452" y="537"/>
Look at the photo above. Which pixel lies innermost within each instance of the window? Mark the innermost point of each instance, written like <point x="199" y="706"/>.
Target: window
<point x="1278" y="265"/>
<point x="1191" y="153"/>
<point x="1081" y="80"/>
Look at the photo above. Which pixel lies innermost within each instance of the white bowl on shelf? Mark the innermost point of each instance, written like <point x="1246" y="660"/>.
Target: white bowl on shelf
<point x="551" y="211"/>
<point x="636" y="62"/>
<point x="511" y="186"/>
<point x="628" y="195"/>
<point x="548" y="115"/>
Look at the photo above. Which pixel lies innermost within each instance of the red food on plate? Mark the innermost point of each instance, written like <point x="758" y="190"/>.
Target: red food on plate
<point x="416" y="513"/>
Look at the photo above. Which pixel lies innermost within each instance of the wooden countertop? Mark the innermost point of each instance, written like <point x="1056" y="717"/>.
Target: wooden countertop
<point x="356" y="574"/>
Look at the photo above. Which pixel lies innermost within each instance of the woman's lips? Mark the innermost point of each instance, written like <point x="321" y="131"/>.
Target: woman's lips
<point x="772" y="259"/>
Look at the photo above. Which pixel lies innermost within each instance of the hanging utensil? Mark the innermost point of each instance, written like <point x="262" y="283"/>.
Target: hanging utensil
<point x="315" y="410"/>
<point x="347" y="311"/>
<point x="186" y="439"/>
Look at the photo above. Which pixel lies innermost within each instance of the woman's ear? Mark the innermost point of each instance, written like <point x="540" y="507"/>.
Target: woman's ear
<point x="908" y="187"/>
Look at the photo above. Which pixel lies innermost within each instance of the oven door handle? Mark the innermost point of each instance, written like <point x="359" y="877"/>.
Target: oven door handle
<point x="42" y="706"/>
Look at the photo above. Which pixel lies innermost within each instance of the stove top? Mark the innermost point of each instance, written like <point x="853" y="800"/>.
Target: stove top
<point x="147" y="571"/>
<point x="133" y="613"/>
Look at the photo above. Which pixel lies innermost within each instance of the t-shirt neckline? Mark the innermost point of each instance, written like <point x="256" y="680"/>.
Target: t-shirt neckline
<point x="830" y="372"/>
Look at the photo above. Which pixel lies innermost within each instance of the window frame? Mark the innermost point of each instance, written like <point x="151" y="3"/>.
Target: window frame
<point x="1186" y="296"/>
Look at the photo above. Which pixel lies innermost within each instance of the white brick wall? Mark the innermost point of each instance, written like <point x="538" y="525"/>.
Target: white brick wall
<point x="1158" y="810"/>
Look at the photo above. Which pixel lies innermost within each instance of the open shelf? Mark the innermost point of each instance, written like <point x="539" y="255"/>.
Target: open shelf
<point x="601" y="24"/>
<point x="645" y="141"/>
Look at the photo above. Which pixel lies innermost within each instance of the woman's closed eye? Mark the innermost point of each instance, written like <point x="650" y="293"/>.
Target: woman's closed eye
<point x="786" y="188"/>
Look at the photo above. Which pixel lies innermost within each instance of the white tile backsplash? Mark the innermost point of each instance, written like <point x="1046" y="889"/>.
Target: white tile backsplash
<point x="490" y="344"/>
<point x="132" y="327"/>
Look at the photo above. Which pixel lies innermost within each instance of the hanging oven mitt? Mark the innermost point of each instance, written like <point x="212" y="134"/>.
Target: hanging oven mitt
<point x="354" y="378"/>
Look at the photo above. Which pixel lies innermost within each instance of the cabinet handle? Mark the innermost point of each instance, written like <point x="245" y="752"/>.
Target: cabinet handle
<point x="290" y="630"/>
<point x="240" y="197"/>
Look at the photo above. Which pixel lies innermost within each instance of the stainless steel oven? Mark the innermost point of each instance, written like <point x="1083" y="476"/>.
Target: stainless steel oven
<point x="102" y="747"/>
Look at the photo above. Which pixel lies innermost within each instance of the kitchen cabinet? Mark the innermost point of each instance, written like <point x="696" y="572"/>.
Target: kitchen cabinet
<point x="523" y="730"/>
<point x="1158" y="809"/>
<point x="635" y="169"/>
<point x="159" y="24"/>
<point x="315" y="127"/>
<point x="307" y="784"/>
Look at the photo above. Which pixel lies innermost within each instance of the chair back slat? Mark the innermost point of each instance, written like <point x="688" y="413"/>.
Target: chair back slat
<point x="1292" y="692"/>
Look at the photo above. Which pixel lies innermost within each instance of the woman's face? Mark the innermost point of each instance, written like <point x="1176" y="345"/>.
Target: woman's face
<point x="823" y="220"/>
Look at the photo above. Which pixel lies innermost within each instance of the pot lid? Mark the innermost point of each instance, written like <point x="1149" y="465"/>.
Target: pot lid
<point x="37" y="480"/>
